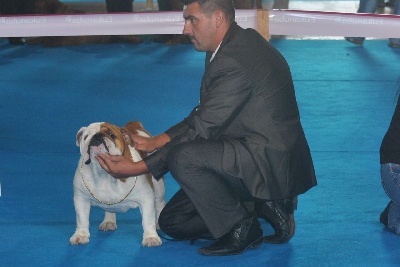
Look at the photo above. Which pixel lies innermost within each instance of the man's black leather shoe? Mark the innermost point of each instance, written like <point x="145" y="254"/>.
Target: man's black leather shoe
<point x="280" y="214"/>
<point x="246" y="234"/>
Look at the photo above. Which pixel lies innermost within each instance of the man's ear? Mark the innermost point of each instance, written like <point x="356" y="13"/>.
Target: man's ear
<point x="219" y="17"/>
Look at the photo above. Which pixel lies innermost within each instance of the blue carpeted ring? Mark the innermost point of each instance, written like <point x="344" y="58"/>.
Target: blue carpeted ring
<point x="346" y="96"/>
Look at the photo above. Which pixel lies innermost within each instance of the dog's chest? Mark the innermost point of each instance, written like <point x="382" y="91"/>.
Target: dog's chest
<point x="113" y="195"/>
<point x="115" y="208"/>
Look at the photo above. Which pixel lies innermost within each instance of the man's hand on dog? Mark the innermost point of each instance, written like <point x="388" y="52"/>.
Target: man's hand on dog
<point x="143" y="143"/>
<point x="120" y="167"/>
<point x="150" y="144"/>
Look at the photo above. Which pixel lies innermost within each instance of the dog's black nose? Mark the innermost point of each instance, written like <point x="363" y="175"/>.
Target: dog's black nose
<point x="96" y="140"/>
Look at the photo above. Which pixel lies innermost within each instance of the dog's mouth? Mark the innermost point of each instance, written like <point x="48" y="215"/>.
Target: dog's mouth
<point x="98" y="145"/>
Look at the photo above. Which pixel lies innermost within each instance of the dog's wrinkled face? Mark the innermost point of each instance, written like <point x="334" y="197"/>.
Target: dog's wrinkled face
<point x="101" y="137"/>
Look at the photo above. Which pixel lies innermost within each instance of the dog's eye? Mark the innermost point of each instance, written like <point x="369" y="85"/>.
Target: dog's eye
<point x="85" y="137"/>
<point x="111" y="135"/>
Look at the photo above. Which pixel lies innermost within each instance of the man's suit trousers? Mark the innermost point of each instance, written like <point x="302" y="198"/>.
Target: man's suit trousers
<point x="210" y="201"/>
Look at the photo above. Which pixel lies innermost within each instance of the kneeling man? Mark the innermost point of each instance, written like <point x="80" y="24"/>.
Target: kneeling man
<point x="241" y="153"/>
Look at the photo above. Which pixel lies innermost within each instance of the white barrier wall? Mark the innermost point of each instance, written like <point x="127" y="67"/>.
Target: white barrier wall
<point x="314" y="23"/>
<point x="281" y="22"/>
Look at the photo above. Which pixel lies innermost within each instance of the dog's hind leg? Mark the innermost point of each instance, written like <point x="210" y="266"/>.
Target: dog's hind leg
<point x="150" y="236"/>
<point x="109" y="223"/>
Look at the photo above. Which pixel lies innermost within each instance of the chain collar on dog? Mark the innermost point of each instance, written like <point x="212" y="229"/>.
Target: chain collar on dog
<point x="103" y="202"/>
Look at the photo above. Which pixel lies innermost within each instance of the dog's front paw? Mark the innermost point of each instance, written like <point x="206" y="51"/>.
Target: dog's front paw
<point x="152" y="241"/>
<point x="108" y="226"/>
<point x="80" y="238"/>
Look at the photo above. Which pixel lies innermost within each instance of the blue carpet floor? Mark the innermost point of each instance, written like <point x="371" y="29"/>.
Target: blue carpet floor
<point x="346" y="96"/>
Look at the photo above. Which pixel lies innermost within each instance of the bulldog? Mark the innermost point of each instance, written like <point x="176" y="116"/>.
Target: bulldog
<point x="93" y="186"/>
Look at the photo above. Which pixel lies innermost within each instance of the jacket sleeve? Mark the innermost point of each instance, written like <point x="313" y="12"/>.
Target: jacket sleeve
<point x="225" y="90"/>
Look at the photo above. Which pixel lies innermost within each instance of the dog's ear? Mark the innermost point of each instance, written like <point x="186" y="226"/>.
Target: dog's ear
<point x="126" y="134"/>
<point x="79" y="135"/>
<point x="132" y="128"/>
<point x="135" y="126"/>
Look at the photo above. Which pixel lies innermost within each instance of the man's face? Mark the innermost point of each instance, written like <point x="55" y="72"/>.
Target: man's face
<point x="200" y="28"/>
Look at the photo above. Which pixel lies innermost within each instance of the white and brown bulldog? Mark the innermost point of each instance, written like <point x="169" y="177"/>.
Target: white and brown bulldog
<point x="94" y="186"/>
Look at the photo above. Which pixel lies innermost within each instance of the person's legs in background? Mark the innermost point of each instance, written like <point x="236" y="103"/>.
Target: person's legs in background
<point x="366" y="6"/>
<point x="243" y="4"/>
<point x="395" y="42"/>
<point x="119" y="5"/>
<point x="123" y="6"/>
<point x="390" y="217"/>
<point x="16" y="7"/>
<point x="171" y="39"/>
<point x="369" y="7"/>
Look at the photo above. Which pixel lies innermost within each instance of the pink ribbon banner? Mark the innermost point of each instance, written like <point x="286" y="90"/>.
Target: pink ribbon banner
<point x="281" y="22"/>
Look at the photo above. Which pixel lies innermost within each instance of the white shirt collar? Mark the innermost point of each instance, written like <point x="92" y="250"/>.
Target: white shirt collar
<point x="215" y="52"/>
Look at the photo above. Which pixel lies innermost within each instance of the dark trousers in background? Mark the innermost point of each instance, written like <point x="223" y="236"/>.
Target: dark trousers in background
<point x="119" y="5"/>
<point x="126" y="5"/>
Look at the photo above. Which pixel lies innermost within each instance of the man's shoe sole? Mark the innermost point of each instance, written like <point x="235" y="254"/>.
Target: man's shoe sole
<point x="254" y="244"/>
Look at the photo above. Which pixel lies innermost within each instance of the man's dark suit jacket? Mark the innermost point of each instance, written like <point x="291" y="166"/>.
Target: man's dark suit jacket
<point x="247" y="99"/>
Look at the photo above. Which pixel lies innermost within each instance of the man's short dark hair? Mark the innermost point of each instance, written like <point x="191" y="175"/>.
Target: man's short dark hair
<point x="210" y="6"/>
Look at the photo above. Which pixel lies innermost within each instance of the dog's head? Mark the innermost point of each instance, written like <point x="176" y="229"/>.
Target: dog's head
<point x="103" y="137"/>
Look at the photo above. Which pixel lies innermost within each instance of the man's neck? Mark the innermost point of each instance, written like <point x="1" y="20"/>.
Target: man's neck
<point x="220" y="36"/>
